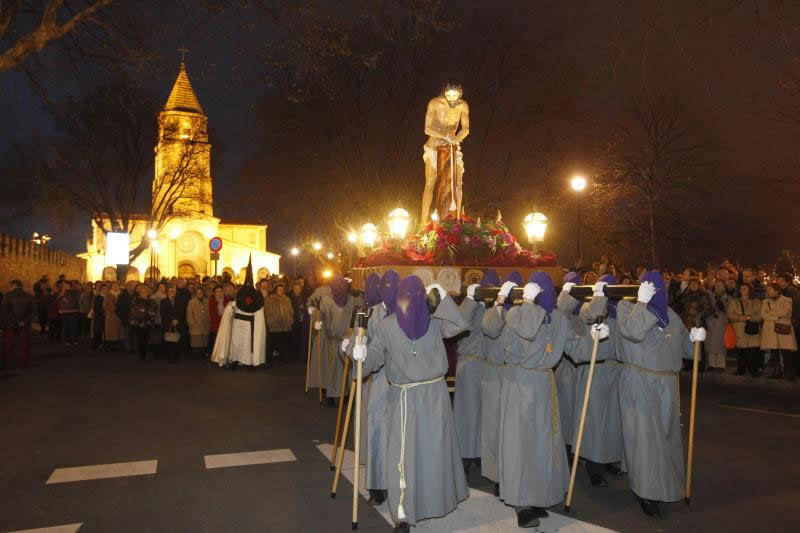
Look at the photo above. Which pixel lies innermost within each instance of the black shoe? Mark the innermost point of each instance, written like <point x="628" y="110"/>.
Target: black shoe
<point x="598" y="480"/>
<point x="497" y="490"/>
<point x="376" y="497"/>
<point x="331" y="403"/>
<point x="527" y="517"/>
<point x="649" y="507"/>
<point x="467" y="464"/>
<point x="402" y="527"/>
<point x="613" y="469"/>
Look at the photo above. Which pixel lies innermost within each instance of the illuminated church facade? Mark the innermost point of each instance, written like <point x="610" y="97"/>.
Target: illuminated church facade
<point x="181" y="247"/>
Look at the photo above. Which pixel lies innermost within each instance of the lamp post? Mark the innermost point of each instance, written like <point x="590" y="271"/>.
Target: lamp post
<point x="295" y="251"/>
<point x="535" y="226"/>
<point x="578" y="184"/>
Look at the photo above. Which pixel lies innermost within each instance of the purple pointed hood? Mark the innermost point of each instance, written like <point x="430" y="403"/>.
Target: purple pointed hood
<point x="339" y="290"/>
<point x="388" y="290"/>
<point x="547" y="298"/>
<point x="490" y="279"/>
<point x="372" y="295"/>
<point x="514" y="277"/>
<point x="612" y="303"/>
<point x="574" y="277"/>
<point x="412" y="308"/>
<point x="658" y="305"/>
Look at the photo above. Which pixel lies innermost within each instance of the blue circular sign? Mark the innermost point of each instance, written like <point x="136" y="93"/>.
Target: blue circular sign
<point x="215" y="244"/>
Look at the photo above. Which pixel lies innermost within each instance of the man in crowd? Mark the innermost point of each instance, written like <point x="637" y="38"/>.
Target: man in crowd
<point x="280" y="317"/>
<point x="18" y="310"/>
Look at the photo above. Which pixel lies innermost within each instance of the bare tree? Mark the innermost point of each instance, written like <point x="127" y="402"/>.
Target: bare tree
<point x="52" y="21"/>
<point x="102" y="162"/>
<point x="648" y="170"/>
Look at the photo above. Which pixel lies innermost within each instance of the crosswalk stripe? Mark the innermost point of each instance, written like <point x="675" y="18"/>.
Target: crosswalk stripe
<point x="480" y="513"/>
<point x="66" y="528"/>
<point x="112" y="470"/>
<point x="249" y="458"/>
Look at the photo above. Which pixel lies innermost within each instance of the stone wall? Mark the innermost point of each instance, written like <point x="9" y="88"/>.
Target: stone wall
<point x="24" y="260"/>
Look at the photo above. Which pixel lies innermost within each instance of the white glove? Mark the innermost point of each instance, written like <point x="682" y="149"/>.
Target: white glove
<point x="597" y="288"/>
<point x="432" y="286"/>
<point x="311" y="311"/>
<point x="531" y="291"/>
<point x="567" y="287"/>
<point x="359" y="352"/>
<point x="601" y="330"/>
<point x="646" y="292"/>
<point x="345" y="344"/>
<point x="318" y="325"/>
<point x="471" y="291"/>
<point x="505" y="290"/>
<point x="697" y="334"/>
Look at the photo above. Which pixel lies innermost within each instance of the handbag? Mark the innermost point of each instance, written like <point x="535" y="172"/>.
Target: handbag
<point x="171" y="335"/>
<point x="750" y="327"/>
<point x="729" y="337"/>
<point x="783" y="329"/>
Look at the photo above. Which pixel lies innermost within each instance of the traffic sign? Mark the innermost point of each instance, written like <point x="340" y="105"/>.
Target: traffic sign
<point x="215" y="256"/>
<point x="215" y="244"/>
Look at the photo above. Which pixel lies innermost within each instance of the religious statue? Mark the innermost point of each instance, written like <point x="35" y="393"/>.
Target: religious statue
<point x="443" y="180"/>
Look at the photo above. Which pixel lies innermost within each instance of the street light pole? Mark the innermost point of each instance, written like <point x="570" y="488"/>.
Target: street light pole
<point x="578" y="184"/>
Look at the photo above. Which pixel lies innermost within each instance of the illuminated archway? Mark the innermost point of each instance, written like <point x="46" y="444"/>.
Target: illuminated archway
<point x="109" y="274"/>
<point x="186" y="270"/>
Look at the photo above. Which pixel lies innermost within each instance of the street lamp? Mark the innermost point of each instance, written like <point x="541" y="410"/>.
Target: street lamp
<point x="369" y="234"/>
<point x="330" y="255"/>
<point x="295" y="251"/>
<point x="535" y="226"/>
<point x="152" y="234"/>
<point x="578" y="184"/>
<point x="398" y="223"/>
<point x="352" y="237"/>
<point x="317" y="246"/>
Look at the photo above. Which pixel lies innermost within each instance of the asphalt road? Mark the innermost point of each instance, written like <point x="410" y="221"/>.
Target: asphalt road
<point x="83" y="408"/>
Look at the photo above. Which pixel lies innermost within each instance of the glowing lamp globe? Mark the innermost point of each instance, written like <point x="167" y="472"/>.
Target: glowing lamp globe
<point x="369" y="234"/>
<point x="435" y="216"/>
<point x="152" y="234"/>
<point x="352" y="237"/>
<point x="317" y="246"/>
<point x="327" y="274"/>
<point x="535" y="226"/>
<point x="330" y="255"/>
<point x="294" y="251"/>
<point x="578" y="183"/>
<point x="398" y="223"/>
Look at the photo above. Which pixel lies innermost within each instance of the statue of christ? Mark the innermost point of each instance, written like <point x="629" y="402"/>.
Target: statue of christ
<point x="443" y="182"/>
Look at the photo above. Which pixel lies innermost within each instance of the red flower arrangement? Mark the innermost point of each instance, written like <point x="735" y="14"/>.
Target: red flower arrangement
<point x="461" y="242"/>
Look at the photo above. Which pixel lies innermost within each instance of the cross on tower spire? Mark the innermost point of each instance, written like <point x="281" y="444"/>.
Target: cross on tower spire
<point x="183" y="52"/>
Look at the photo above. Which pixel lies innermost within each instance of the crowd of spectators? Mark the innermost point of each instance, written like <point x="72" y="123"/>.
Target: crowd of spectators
<point x="166" y="319"/>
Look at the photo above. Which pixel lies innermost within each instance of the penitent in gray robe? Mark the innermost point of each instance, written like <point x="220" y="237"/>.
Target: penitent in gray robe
<point x="492" y="386"/>
<point x="532" y="462"/>
<point x="566" y="372"/>
<point x="315" y="381"/>
<point x="434" y="474"/>
<point x="469" y="375"/>
<point x="335" y="327"/>
<point x="602" y="434"/>
<point x="649" y="401"/>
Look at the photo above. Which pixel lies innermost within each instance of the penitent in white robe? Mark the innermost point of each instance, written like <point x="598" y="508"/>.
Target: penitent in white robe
<point x="241" y="338"/>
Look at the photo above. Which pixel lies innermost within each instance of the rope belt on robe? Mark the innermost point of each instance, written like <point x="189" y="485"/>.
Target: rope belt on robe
<point x="502" y="363"/>
<point x="666" y="373"/>
<point x="248" y="318"/>
<point x="598" y="362"/>
<point x="401" y="514"/>
<point x="553" y="401"/>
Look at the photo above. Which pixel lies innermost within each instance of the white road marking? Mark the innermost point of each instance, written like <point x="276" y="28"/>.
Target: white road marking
<point x="66" y="528"/>
<point x="249" y="458"/>
<point x="84" y="473"/>
<point x="762" y="411"/>
<point x="480" y="513"/>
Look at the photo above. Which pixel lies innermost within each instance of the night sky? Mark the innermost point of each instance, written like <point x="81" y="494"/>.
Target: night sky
<point x="316" y="113"/>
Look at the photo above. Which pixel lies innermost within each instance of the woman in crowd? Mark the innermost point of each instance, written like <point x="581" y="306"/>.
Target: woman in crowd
<point x="99" y="315"/>
<point x="300" y="326"/>
<point x="216" y="306"/>
<point x="744" y="313"/>
<point x="716" y="324"/>
<point x="171" y="324"/>
<point x="280" y="317"/>
<point x="113" y="328"/>
<point x="157" y="331"/>
<point x="143" y="316"/>
<point x="777" y="333"/>
<point x="197" y="319"/>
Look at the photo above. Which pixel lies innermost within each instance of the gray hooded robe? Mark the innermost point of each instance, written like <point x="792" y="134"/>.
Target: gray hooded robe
<point x="469" y="375"/>
<point x="335" y="327"/>
<point x="494" y="350"/>
<point x="434" y="475"/>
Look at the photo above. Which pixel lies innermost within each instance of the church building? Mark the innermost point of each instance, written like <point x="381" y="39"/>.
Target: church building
<point x="181" y="246"/>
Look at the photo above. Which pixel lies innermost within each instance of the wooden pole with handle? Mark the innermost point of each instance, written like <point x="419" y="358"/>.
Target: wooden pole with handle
<point x="319" y="356"/>
<point x="336" y="440"/>
<point x="695" y="365"/>
<point x="308" y="358"/>
<point x="340" y="455"/>
<point x="582" y="423"/>
<point x="360" y="341"/>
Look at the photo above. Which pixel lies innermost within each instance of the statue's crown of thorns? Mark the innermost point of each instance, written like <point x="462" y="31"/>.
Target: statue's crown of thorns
<point x="453" y="86"/>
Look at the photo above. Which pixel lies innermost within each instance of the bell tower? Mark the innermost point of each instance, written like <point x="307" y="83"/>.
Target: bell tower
<point x="182" y="181"/>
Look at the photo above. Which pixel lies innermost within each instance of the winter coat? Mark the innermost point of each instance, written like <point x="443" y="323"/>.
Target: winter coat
<point x="751" y="308"/>
<point x="18" y="306"/>
<point x="123" y="306"/>
<point x="777" y="311"/>
<point x="214" y="314"/>
<point x="113" y="326"/>
<point x="695" y="305"/>
<point x="279" y="312"/>
<point x="170" y="311"/>
<point x="143" y="312"/>
<point x="197" y="317"/>
<point x="69" y="302"/>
